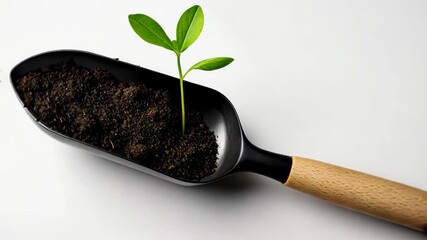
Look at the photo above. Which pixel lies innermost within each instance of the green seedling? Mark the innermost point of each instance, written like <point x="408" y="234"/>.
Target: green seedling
<point x="188" y="29"/>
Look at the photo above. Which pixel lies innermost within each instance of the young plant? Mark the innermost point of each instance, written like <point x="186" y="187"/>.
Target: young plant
<point x="188" y="29"/>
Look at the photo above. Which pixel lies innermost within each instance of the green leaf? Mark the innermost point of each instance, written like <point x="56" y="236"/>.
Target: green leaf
<point x="149" y="30"/>
<point x="189" y="27"/>
<point x="212" y="63"/>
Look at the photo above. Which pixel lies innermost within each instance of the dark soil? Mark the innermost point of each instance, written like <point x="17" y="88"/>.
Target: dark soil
<point x="139" y="123"/>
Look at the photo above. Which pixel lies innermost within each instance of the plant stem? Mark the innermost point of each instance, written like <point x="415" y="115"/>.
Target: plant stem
<point x="181" y="85"/>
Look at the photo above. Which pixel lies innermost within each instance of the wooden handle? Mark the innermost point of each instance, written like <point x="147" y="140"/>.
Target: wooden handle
<point x="361" y="192"/>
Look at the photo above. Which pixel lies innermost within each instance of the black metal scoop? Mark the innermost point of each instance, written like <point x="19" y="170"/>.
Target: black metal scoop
<point x="235" y="151"/>
<point x="362" y="192"/>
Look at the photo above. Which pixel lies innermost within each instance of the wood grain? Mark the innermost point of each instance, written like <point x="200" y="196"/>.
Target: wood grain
<point x="361" y="192"/>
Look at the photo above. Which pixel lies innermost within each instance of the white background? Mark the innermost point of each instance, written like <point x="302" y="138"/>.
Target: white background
<point x="340" y="81"/>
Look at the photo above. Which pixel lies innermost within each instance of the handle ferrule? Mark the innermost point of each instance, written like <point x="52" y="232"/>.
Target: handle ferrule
<point x="273" y="165"/>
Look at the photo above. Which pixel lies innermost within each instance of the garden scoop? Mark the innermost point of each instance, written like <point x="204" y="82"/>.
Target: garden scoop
<point x="358" y="191"/>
